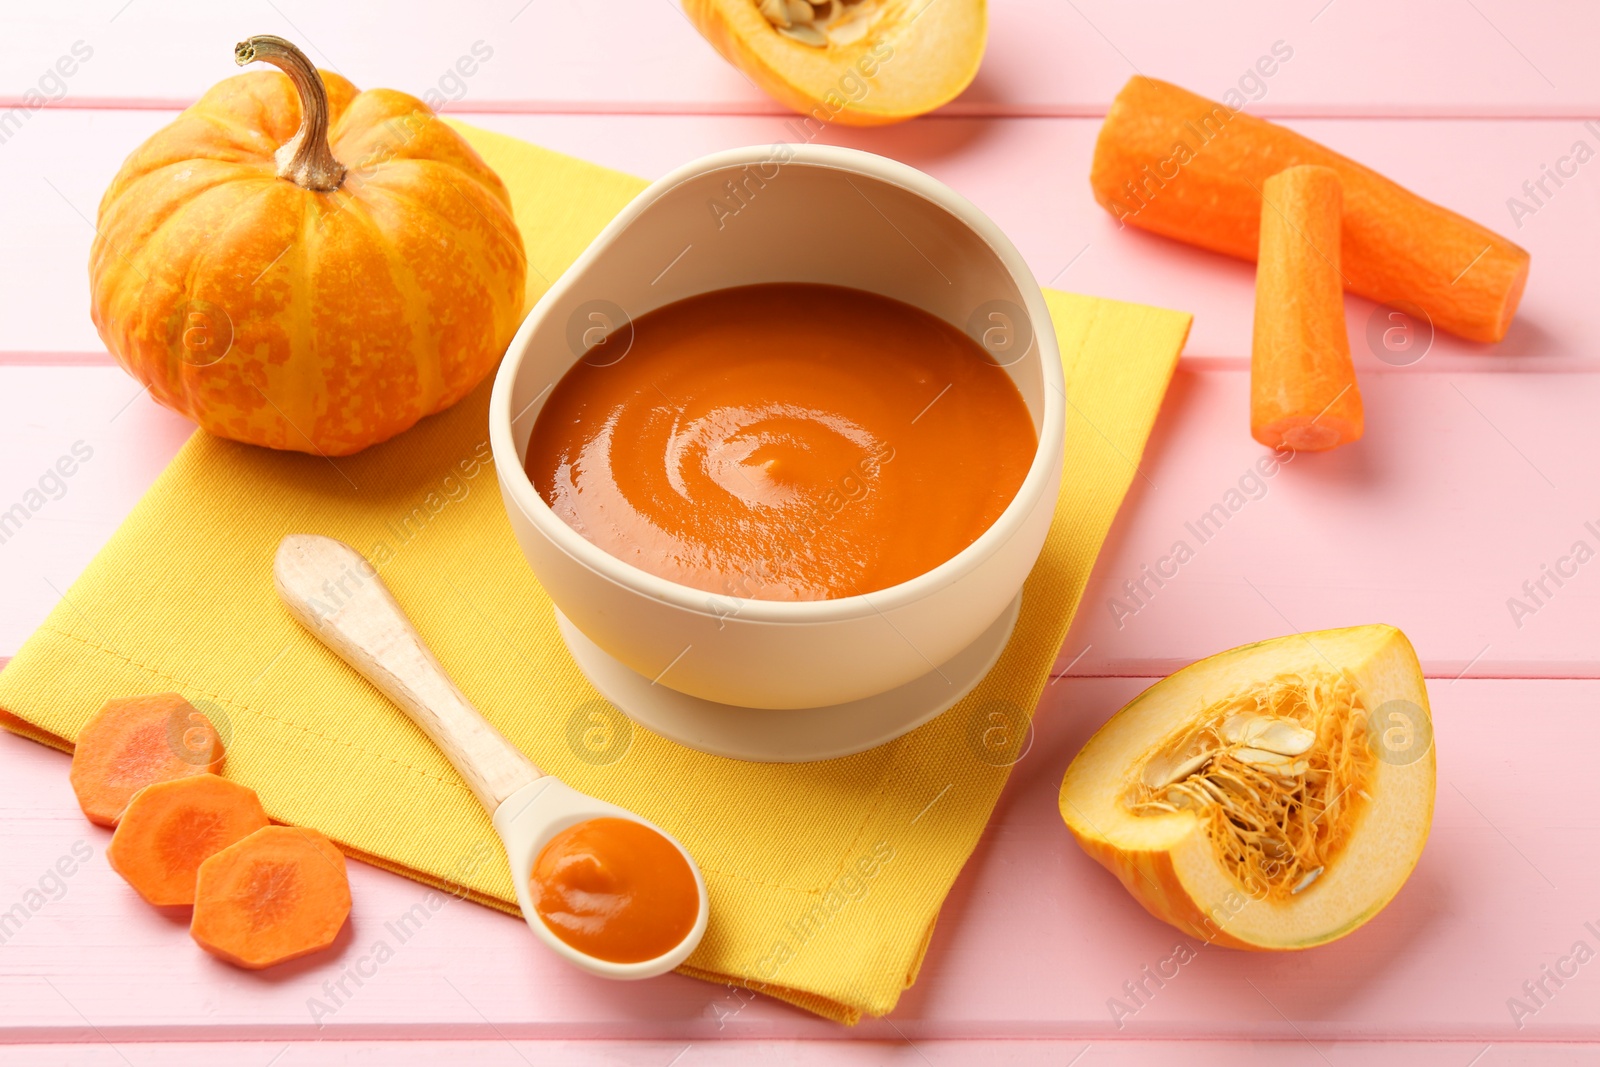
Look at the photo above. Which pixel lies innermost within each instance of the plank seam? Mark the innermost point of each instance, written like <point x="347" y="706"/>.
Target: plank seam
<point x="1152" y="678"/>
<point x="1193" y="362"/>
<point x="760" y="108"/>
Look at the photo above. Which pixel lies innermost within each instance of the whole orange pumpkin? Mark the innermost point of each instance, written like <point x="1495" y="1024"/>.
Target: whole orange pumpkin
<point x="296" y="264"/>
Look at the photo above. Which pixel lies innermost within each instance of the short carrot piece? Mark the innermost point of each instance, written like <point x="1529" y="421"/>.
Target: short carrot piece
<point x="281" y="893"/>
<point x="1186" y="167"/>
<point x="133" y="742"/>
<point x="171" y="828"/>
<point x="1303" y="392"/>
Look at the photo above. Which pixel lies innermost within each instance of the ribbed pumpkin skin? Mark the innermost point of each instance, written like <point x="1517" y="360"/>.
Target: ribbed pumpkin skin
<point x="352" y="313"/>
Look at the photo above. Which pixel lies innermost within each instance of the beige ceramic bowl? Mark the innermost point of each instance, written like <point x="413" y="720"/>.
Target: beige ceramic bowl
<point x="786" y="214"/>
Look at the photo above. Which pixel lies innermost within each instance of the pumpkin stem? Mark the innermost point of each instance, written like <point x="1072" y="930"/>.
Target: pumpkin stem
<point x="306" y="158"/>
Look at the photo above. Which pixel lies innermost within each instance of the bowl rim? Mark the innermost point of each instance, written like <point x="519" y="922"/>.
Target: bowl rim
<point x="518" y="488"/>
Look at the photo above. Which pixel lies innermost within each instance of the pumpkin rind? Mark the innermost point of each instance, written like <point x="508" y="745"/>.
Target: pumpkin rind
<point x="318" y="322"/>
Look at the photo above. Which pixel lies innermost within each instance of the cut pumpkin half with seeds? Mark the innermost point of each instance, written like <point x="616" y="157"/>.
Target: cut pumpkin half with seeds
<point x="1275" y="796"/>
<point x="859" y="63"/>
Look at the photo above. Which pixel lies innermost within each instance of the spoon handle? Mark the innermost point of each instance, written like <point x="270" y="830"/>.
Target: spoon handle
<point x="333" y="591"/>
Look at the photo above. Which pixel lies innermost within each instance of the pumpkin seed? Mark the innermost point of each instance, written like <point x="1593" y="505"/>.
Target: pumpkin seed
<point x="1285" y="738"/>
<point x="1238" y="729"/>
<point x="1305" y="882"/>
<point x="1259" y="757"/>
<point x="1158" y="775"/>
<point x="800" y="12"/>
<point x="806" y="35"/>
<point x="775" y="12"/>
<point x="1270" y="733"/>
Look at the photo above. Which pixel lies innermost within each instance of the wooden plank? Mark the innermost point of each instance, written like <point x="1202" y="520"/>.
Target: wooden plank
<point x="1352" y="57"/>
<point x="1463" y="489"/>
<point x="1030" y="175"/>
<point x="78" y="448"/>
<point x="1035" y="941"/>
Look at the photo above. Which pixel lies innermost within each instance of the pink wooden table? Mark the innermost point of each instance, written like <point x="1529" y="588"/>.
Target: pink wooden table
<point x="1478" y="469"/>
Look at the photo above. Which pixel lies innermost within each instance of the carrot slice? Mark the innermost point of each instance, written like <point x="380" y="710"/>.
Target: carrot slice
<point x="279" y="894"/>
<point x="1183" y="166"/>
<point x="133" y="742"/>
<point x="170" y="828"/>
<point x="1303" y="391"/>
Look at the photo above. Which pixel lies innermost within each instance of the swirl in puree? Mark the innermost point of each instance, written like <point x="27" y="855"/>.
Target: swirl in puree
<point x="784" y="442"/>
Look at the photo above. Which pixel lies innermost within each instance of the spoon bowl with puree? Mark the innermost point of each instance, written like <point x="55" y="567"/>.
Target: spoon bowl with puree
<point x="603" y="888"/>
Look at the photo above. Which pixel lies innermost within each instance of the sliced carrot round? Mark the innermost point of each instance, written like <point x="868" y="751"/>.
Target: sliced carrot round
<point x="133" y="742"/>
<point x="170" y="828"/>
<point x="279" y="894"/>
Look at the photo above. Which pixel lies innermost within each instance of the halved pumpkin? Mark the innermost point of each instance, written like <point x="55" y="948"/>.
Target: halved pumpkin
<point x="863" y="63"/>
<point x="1275" y="796"/>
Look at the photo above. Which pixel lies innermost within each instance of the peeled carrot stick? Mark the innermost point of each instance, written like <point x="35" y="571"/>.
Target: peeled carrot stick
<point x="1303" y="391"/>
<point x="133" y="742"/>
<point x="1183" y="166"/>
<point x="170" y="828"/>
<point x="279" y="894"/>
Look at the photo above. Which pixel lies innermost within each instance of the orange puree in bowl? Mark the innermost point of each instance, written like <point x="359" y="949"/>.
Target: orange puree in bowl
<point x="616" y="890"/>
<point x="783" y="442"/>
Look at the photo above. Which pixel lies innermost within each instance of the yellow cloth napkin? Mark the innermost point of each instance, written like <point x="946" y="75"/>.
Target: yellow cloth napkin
<point x="825" y="878"/>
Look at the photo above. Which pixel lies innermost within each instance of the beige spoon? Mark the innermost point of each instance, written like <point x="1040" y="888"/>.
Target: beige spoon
<point x="333" y="591"/>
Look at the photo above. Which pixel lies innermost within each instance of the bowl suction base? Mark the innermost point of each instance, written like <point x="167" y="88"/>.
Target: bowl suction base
<point x="794" y="735"/>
